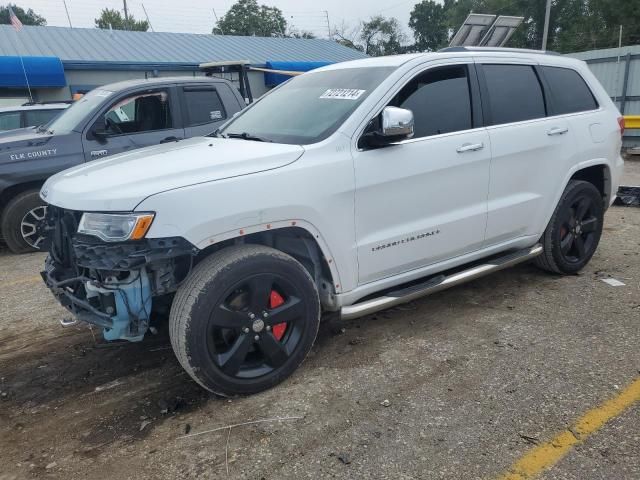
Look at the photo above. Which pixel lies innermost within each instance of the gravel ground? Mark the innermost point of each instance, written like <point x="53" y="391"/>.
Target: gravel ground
<point x="455" y="386"/>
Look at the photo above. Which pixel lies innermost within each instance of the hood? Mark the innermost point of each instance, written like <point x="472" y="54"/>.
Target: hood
<point x="14" y="142"/>
<point x="121" y="182"/>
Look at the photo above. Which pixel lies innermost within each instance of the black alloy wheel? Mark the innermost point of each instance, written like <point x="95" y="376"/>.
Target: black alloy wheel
<point x="579" y="230"/>
<point x="257" y="326"/>
<point x="573" y="233"/>
<point x="244" y="319"/>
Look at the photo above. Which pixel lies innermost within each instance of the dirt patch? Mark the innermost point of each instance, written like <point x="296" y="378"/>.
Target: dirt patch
<point x="450" y="386"/>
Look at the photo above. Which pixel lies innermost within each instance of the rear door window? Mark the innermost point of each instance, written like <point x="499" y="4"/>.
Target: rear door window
<point x="203" y="106"/>
<point x="569" y="91"/>
<point x="9" y="120"/>
<point x="515" y="93"/>
<point x="440" y="101"/>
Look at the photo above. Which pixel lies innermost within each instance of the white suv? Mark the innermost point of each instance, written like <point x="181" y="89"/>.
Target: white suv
<point x="349" y="189"/>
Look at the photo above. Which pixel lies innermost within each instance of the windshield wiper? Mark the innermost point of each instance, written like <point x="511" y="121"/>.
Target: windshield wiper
<point x="216" y="133"/>
<point x="247" y="136"/>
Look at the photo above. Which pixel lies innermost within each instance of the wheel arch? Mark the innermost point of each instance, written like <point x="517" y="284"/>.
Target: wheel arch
<point x="298" y="239"/>
<point x="10" y="192"/>
<point x="596" y="171"/>
<point x="599" y="175"/>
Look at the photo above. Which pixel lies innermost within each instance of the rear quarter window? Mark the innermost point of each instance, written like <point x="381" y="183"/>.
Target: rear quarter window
<point x="515" y="93"/>
<point x="569" y="91"/>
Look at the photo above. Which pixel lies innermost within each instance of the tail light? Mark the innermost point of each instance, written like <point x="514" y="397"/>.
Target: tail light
<point x="621" y="124"/>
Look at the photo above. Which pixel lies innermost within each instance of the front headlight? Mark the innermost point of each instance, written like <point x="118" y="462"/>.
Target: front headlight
<point x="116" y="227"/>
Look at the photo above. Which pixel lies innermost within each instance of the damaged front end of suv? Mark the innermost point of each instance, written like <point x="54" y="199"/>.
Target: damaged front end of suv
<point x="104" y="271"/>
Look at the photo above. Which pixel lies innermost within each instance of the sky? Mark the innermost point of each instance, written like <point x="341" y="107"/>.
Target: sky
<point x="194" y="16"/>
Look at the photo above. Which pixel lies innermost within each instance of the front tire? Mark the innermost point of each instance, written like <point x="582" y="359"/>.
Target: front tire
<point x="244" y="320"/>
<point x="20" y="220"/>
<point x="574" y="231"/>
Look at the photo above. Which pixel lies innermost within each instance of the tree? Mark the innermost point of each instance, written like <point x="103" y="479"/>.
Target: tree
<point x="113" y="19"/>
<point x="347" y="36"/>
<point x="247" y="18"/>
<point x="292" y="33"/>
<point x="382" y="36"/>
<point x="27" y="17"/>
<point x="429" y="24"/>
<point x="614" y="13"/>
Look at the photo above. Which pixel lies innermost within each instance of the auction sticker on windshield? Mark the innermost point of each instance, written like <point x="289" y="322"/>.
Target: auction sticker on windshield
<point x="343" y="93"/>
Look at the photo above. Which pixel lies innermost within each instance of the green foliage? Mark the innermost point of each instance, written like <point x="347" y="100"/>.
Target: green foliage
<point x="27" y="17"/>
<point x="574" y="24"/>
<point x="300" y="34"/>
<point x="429" y="24"/>
<point x="116" y="20"/>
<point x="382" y="36"/>
<point x="247" y="18"/>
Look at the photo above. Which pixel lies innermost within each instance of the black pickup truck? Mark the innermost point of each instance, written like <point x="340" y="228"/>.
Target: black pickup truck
<point x="111" y="119"/>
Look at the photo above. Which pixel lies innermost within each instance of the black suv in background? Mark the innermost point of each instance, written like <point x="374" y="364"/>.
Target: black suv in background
<point x="111" y="119"/>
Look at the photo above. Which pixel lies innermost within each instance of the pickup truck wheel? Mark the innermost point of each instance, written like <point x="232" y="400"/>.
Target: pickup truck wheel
<point x="20" y="222"/>
<point x="244" y="320"/>
<point x="573" y="234"/>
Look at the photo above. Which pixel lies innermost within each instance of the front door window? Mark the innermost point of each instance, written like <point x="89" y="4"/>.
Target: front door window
<point x="141" y="112"/>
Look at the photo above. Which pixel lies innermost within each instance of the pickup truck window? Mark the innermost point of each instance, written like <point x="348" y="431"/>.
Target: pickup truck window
<point x="308" y="108"/>
<point x="39" y="117"/>
<point x="439" y="99"/>
<point x="203" y="106"/>
<point x="9" y="120"/>
<point x="140" y="112"/>
<point x="70" y="119"/>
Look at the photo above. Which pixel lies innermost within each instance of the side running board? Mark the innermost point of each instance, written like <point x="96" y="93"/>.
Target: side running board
<point x="438" y="283"/>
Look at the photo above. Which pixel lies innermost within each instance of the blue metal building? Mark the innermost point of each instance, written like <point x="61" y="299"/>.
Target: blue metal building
<point x="60" y="61"/>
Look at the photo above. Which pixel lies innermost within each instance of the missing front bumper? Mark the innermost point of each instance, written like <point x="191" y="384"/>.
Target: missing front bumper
<point x="112" y="285"/>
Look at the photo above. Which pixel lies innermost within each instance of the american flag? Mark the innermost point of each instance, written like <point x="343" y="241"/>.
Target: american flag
<point x="15" y="21"/>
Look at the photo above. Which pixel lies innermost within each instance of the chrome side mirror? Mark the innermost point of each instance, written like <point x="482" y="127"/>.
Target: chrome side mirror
<point x="397" y="122"/>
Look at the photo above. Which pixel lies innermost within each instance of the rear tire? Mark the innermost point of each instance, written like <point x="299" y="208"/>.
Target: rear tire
<point x="19" y="222"/>
<point x="225" y="328"/>
<point x="574" y="231"/>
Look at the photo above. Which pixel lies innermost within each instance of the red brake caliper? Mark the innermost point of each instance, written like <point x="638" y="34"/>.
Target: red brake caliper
<point x="275" y="300"/>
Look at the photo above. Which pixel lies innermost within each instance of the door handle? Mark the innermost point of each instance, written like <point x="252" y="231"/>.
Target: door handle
<point x="170" y="139"/>
<point x="557" y="131"/>
<point x="470" y="147"/>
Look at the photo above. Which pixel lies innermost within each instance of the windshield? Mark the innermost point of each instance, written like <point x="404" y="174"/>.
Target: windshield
<point x="72" y="116"/>
<point x="308" y="108"/>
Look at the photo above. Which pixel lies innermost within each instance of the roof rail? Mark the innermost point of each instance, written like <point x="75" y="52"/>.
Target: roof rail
<point x="496" y="49"/>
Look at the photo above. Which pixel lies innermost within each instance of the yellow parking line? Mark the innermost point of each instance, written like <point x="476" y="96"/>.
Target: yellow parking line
<point x="34" y="279"/>
<point x="547" y="454"/>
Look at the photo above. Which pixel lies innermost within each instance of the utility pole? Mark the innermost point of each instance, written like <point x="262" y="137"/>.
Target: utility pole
<point x="545" y="33"/>
<point x="217" y="22"/>
<point x="326" y="12"/>
<point x="147" y="15"/>
<point x="67" y="10"/>
<point x="126" y="12"/>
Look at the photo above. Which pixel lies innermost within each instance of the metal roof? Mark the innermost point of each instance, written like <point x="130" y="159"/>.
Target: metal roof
<point x="606" y="53"/>
<point x="93" y="45"/>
